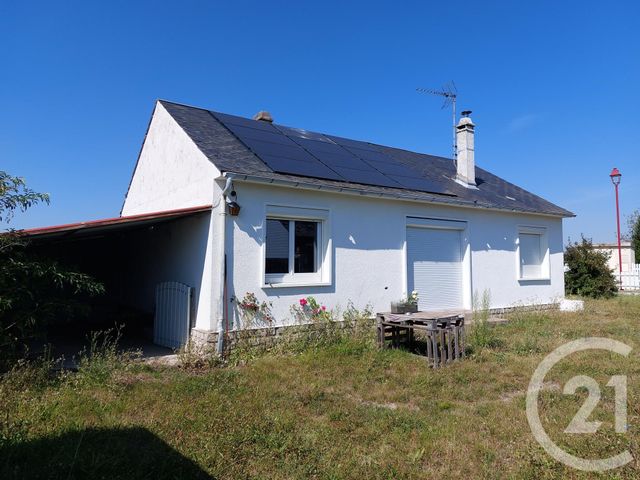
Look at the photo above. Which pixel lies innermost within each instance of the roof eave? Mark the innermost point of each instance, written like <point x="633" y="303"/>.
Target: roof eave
<point x="350" y="190"/>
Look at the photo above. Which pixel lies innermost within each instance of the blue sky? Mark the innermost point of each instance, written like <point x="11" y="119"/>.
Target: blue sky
<point x="553" y="87"/>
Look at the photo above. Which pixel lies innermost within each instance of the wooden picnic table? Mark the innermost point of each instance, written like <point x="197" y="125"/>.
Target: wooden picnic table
<point x="443" y="329"/>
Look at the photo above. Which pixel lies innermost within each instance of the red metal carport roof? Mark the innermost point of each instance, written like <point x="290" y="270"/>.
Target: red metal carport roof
<point x="113" y="222"/>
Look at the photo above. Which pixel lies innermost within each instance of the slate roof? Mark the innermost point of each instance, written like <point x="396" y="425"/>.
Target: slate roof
<point x="230" y="154"/>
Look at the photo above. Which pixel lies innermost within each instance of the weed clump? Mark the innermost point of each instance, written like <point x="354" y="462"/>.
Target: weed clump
<point x="482" y="334"/>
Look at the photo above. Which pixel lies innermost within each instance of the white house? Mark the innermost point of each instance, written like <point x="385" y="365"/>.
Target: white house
<point x="338" y="219"/>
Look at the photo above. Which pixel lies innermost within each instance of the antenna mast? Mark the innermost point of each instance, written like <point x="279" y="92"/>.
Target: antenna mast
<point x="450" y="93"/>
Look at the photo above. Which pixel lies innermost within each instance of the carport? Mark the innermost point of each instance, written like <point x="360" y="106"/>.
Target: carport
<point x="131" y="256"/>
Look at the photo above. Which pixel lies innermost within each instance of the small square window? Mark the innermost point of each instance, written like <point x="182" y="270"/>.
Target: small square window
<point x="297" y="246"/>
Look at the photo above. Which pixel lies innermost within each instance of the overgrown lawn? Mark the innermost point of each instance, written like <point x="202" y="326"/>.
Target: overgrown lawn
<point x="340" y="411"/>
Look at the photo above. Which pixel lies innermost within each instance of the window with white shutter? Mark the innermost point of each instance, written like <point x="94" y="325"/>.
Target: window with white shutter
<point x="533" y="253"/>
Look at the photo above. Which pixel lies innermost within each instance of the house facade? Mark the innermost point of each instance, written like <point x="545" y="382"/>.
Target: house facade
<point x="340" y="220"/>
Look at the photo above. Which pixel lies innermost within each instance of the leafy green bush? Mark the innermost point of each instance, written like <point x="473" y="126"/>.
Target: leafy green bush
<point x="33" y="290"/>
<point x="588" y="274"/>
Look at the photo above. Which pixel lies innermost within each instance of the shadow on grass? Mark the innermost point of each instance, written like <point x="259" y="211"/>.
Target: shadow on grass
<point x="129" y="453"/>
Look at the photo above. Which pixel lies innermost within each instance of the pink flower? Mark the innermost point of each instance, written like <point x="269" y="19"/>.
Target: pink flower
<point x="303" y="301"/>
<point x="323" y="308"/>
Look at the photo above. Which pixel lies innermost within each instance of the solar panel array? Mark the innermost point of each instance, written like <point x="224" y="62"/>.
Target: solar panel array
<point x="300" y="152"/>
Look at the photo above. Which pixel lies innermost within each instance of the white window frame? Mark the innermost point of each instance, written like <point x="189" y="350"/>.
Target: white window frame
<point x="322" y="275"/>
<point x="545" y="273"/>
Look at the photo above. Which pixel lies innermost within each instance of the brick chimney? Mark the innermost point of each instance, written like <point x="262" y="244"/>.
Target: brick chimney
<point x="263" y="116"/>
<point x="466" y="163"/>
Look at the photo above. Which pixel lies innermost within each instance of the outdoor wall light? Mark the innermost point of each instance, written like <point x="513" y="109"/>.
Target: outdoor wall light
<point x="233" y="209"/>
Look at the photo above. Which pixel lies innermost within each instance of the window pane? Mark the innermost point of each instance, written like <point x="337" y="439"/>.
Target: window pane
<point x="306" y="247"/>
<point x="530" y="255"/>
<point x="277" y="246"/>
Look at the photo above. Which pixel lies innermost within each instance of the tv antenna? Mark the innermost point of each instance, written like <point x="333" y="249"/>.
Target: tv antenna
<point x="450" y="93"/>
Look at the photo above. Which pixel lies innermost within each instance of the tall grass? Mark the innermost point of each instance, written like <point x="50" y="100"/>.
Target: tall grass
<point x="332" y="412"/>
<point x="352" y="328"/>
<point x="482" y="334"/>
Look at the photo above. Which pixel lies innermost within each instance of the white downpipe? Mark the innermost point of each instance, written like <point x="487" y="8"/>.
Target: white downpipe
<point x="220" y="256"/>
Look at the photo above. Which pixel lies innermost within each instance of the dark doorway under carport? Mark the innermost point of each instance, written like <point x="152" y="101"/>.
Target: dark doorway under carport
<point x="117" y="252"/>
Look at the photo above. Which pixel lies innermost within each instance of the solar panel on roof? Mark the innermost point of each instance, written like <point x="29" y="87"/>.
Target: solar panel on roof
<point x="366" y="177"/>
<point x="300" y="152"/>
<point x="332" y="154"/>
<point x="278" y="150"/>
<point x="303" y="134"/>
<point x="341" y="160"/>
<point x="262" y="135"/>
<point x="312" y="144"/>
<point x="346" y="142"/>
<point x="370" y="155"/>
<point x="313" y="168"/>
<point x="419" y="184"/>
<point x="390" y="168"/>
<point x="243" y="122"/>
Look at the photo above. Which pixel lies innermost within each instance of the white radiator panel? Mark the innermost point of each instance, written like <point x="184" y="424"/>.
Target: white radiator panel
<point x="434" y="267"/>
<point x="172" y="322"/>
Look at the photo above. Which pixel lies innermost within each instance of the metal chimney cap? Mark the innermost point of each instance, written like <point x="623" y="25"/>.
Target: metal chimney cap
<point x="465" y="121"/>
<point x="264" y="116"/>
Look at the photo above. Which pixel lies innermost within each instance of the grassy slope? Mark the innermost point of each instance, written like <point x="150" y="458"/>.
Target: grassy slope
<point x="346" y="411"/>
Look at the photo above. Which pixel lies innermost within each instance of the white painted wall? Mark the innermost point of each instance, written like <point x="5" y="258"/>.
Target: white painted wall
<point x="628" y="256"/>
<point x="171" y="172"/>
<point x="173" y="251"/>
<point x="368" y="246"/>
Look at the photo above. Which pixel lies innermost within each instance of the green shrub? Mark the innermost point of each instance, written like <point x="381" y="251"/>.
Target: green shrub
<point x="588" y="274"/>
<point x="34" y="290"/>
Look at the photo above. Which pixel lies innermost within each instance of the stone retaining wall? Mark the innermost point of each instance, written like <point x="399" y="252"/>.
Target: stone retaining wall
<point x="269" y="336"/>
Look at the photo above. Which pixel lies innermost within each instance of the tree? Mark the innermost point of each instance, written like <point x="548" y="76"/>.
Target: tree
<point x="588" y="273"/>
<point x="633" y="222"/>
<point x="33" y="290"/>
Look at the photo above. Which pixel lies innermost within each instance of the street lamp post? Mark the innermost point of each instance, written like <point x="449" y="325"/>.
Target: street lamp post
<point x="615" y="179"/>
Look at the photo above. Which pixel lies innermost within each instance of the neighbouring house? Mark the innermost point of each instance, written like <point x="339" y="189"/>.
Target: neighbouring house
<point x="626" y="250"/>
<point x="629" y="279"/>
<point x="220" y="205"/>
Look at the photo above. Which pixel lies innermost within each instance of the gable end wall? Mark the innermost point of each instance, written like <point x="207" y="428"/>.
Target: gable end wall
<point x="171" y="171"/>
